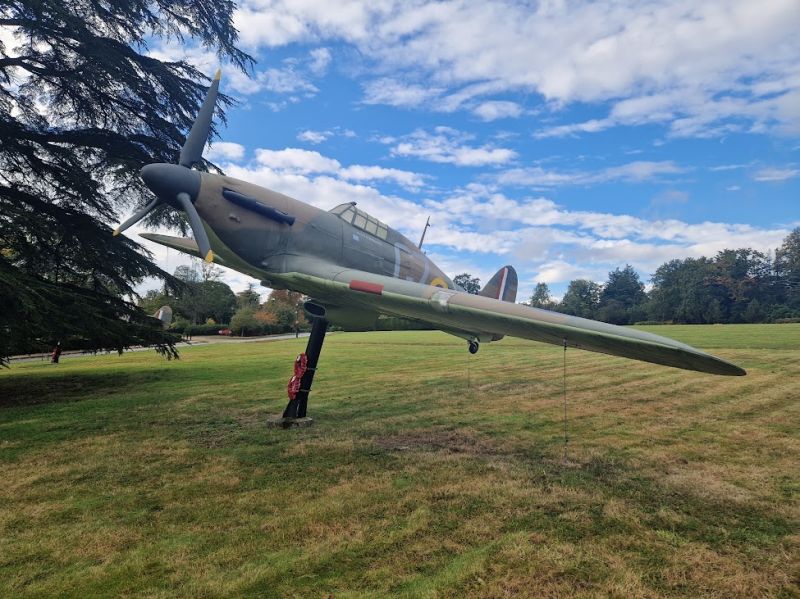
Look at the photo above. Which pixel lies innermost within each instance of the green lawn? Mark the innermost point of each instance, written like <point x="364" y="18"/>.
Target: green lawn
<point x="428" y="472"/>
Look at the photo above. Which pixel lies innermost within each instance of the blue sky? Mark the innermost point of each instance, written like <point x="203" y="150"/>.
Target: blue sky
<point x="565" y="138"/>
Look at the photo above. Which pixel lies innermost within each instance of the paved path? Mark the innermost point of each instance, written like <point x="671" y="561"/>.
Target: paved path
<point x="232" y="339"/>
<point x="196" y="340"/>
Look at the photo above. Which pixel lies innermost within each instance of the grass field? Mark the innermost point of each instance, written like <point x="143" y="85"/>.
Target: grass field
<point x="428" y="472"/>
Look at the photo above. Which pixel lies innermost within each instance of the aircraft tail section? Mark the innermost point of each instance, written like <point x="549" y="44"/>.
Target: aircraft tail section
<point x="164" y="314"/>
<point x="502" y="286"/>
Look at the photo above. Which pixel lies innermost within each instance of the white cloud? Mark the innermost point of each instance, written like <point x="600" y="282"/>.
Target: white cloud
<point x="285" y="81"/>
<point x="449" y="146"/>
<point x="559" y="271"/>
<point x="314" y="137"/>
<point x="772" y="174"/>
<point x="274" y="23"/>
<point x="591" y="126"/>
<point x="702" y="68"/>
<point x="359" y="172"/>
<point x="669" y="197"/>
<point x="557" y="242"/>
<point x="320" y="59"/>
<point x="292" y="77"/>
<point x="208" y="62"/>
<point x="631" y="172"/>
<point x="700" y="112"/>
<point x="317" y="137"/>
<point x="397" y="93"/>
<point x="297" y="160"/>
<point x="496" y="109"/>
<point x="728" y="167"/>
<point x="224" y="150"/>
<point x="260" y="26"/>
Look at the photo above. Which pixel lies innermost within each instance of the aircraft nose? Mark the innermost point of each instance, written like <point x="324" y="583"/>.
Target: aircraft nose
<point x="168" y="180"/>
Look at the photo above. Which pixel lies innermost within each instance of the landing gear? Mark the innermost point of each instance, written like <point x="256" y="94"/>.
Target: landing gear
<point x="474" y="346"/>
<point x="295" y="412"/>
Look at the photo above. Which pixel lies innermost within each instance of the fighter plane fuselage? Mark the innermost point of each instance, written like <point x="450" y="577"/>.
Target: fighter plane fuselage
<point x="355" y="268"/>
<point x="269" y="232"/>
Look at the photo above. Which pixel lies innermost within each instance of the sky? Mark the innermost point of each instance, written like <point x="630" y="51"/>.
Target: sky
<point x="567" y="139"/>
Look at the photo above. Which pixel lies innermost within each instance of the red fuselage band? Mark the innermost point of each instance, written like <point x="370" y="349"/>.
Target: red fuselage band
<point x="366" y="287"/>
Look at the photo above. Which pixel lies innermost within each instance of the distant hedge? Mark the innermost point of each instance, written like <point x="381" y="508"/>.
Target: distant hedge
<point x="199" y="329"/>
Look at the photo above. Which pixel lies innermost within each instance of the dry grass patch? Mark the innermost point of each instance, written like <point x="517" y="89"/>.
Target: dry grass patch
<point x="128" y="476"/>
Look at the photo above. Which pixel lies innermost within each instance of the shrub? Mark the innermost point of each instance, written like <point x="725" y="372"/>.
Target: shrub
<point x="203" y="329"/>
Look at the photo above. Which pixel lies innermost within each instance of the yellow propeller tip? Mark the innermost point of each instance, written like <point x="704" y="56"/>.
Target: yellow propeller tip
<point x="210" y="256"/>
<point x="218" y="76"/>
<point x="116" y="231"/>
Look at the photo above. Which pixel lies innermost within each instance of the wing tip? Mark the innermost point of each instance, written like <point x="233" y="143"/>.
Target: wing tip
<point x="737" y="371"/>
<point x="722" y="367"/>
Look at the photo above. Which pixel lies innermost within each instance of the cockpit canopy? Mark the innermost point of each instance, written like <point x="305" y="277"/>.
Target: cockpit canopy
<point x="361" y="220"/>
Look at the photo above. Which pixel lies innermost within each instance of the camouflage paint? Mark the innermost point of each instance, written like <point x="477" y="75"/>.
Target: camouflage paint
<point x="353" y="276"/>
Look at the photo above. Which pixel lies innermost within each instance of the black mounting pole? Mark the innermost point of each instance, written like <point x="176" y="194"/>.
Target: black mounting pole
<point x="296" y="408"/>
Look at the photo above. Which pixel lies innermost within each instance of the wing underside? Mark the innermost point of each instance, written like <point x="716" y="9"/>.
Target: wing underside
<point x="187" y="245"/>
<point x="453" y="310"/>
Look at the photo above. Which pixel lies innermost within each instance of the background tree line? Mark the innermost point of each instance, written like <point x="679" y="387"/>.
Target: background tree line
<point x="83" y="106"/>
<point x="205" y="305"/>
<point x="734" y="286"/>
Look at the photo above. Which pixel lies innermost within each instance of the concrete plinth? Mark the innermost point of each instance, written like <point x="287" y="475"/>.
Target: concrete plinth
<point x="287" y="422"/>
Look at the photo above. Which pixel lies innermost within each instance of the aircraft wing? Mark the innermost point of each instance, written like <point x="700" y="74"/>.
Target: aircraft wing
<point x="187" y="245"/>
<point x="455" y="310"/>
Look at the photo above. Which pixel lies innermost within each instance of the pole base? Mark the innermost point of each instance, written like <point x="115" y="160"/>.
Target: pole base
<point x="288" y="422"/>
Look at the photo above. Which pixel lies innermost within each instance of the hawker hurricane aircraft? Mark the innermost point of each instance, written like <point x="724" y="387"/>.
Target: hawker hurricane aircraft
<point x="354" y="268"/>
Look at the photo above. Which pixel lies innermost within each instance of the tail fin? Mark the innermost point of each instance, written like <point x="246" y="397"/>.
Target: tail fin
<point x="502" y="286"/>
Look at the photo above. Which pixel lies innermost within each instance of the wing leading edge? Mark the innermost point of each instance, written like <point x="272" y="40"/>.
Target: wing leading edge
<point x="449" y="309"/>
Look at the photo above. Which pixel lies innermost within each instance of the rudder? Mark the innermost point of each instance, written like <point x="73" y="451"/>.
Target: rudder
<point x="502" y="286"/>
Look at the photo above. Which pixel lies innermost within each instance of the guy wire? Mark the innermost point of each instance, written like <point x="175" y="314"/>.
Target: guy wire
<point x="566" y="438"/>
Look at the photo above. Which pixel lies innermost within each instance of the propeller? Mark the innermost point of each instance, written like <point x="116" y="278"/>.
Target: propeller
<point x="197" y="226"/>
<point x="178" y="184"/>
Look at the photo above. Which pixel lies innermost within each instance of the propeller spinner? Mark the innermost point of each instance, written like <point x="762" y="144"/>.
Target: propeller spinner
<point x="177" y="184"/>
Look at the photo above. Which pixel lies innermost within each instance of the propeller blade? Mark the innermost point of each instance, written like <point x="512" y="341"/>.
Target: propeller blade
<point x="192" y="150"/>
<point x="197" y="226"/>
<point x="136" y="217"/>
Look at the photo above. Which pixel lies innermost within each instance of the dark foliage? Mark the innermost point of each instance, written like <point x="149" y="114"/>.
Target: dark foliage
<point x="541" y="297"/>
<point x="88" y="320"/>
<point x="735" y="286"/>
<point x="581" y="299"/>
<point x="82" y="109"/>
<point x="468" y="283"/>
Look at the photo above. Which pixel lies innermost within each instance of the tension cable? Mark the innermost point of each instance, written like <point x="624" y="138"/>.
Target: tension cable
<point x="566" y="438"/>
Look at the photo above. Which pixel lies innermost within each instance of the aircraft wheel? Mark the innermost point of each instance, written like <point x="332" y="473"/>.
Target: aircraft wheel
<point x="474" y="347"/>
